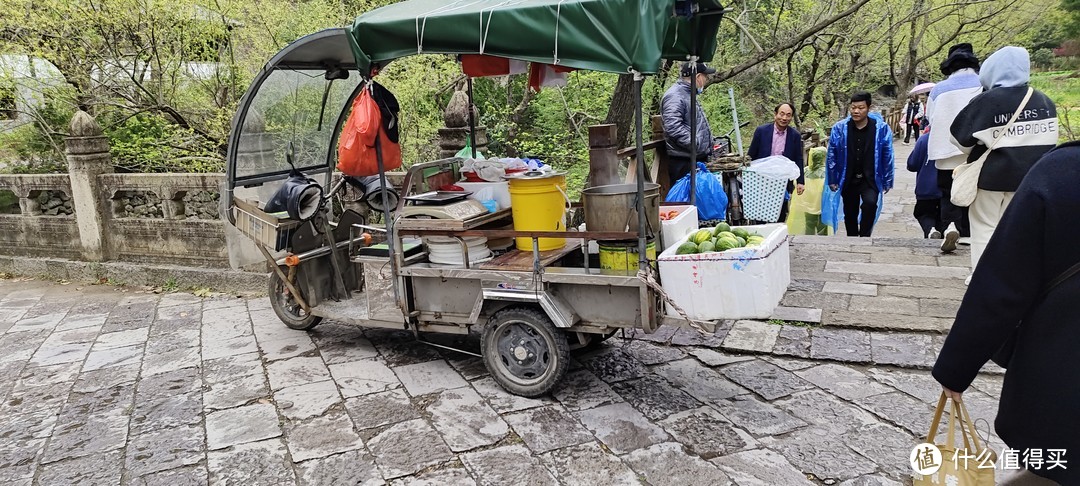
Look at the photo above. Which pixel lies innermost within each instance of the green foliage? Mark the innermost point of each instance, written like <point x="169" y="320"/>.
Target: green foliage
<point x="9" y="202"/>
<point x="1042" y="58"/>
<point x="146" y="143"/>
<point x="170" y="285"/>
<point x="37" y="147"/>
<point x="1072" y="24"/>
<point x="1063" y="88"/>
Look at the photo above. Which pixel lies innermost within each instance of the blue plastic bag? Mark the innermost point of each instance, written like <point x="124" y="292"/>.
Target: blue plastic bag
<point x="710" y="198"/>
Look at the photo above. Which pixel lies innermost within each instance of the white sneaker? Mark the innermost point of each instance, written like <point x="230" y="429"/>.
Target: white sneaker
<point x="948" y="245"/>
<point x="966" y="241"/>
<point x="935" y="235"/>
<point x="967" y="281"/>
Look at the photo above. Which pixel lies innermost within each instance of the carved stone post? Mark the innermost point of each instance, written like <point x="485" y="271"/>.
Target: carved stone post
<point x="456" y="117"/>
<point x="87" y="152"/>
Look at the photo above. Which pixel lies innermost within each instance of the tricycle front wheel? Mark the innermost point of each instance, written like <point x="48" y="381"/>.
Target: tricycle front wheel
<point x="524" y="352"/>
<point x="287" y="308"/>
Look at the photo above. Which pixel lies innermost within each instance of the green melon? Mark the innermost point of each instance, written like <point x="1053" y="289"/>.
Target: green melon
<point x="687" y="248"/>
<point x="725" y="244"/>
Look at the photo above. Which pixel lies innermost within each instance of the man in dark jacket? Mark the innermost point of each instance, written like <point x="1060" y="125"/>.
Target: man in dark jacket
<point x="778" y="138"/>
<point x="675" y="113"/>
<point x="1034" y="245"/>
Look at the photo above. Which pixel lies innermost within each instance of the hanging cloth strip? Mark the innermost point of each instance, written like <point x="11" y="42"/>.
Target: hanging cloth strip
<point x="478" y="65"/>
<point x="547" y="76"/>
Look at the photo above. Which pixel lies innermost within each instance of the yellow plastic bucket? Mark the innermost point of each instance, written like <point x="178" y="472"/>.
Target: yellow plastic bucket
<point x="624" y="256"/>
<point x="539" y="204"/>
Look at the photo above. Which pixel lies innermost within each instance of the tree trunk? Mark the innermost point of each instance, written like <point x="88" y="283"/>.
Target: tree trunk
<point x="621" y="111"/>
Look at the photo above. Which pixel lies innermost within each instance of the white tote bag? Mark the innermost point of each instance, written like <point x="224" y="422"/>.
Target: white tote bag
<point x="966" y="177"/>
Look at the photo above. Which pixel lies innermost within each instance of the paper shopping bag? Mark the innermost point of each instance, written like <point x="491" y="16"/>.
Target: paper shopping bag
<point x="940" y="464"/>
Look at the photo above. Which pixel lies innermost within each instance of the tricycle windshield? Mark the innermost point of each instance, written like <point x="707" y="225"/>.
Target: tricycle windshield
<point x="290" y="105"/>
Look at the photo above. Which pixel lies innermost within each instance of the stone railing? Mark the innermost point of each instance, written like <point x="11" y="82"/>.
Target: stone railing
<point x="96" y="215"/>
<point x="170" y="218"/>
<point x="42" y="223"/>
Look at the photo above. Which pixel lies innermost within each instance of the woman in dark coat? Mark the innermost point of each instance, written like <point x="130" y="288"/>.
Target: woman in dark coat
<point x="1035" y="244"/>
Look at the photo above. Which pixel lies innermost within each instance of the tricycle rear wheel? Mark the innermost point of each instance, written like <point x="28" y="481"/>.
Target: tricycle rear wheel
<point x="287" y="308"/>
<point x="524" y="351"/>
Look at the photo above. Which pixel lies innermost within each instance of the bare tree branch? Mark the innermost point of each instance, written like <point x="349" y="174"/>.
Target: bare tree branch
<point x="763" y="56"/>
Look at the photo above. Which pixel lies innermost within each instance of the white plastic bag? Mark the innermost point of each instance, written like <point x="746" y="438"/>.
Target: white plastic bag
<point x="514" y="164"/>
<point x="776" y="167"/>
<point x="488" y="170"/>
<point x="486" y="196"/>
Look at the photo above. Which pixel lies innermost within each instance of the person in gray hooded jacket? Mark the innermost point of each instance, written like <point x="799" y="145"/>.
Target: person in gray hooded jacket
<point x="1004" y="77"/>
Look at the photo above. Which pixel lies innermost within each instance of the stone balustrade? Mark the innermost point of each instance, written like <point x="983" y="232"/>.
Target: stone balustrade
<point x="94" y="214"/>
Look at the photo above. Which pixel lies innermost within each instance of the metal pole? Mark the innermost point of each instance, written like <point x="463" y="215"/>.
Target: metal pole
<point x="735" y="120"/>
<point x="472" y="121"/>
<point x="391" y="235"/>
<point x="643" y="259"/>
<point x="693" y="124"/>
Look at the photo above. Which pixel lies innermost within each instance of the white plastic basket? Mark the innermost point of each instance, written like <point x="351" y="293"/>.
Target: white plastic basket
<point x="762" y="197"/>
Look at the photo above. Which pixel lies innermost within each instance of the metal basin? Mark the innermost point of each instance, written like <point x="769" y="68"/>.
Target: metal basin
<point x="612" y="208"/>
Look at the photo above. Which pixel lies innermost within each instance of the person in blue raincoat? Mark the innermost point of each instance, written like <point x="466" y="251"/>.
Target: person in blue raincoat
<point x="858" y="167"/>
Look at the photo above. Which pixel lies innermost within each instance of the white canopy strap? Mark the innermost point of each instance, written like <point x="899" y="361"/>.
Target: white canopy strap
<point x="558" y="17"/>
<point x="490" y="12"/>
<point x="421" y="20"/>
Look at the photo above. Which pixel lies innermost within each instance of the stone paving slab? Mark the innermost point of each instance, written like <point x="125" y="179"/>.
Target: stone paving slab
<point x="107" y="386"/>
<point x="668" y="465"/>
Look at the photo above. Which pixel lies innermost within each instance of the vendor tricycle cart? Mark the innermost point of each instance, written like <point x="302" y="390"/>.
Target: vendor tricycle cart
<point x="532" y="307"/>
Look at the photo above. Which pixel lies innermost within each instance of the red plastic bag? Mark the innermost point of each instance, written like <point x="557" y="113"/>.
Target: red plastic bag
<point x="357" y="152"/>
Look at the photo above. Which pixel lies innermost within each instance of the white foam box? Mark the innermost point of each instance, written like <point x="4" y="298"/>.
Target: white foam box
<point x="741" y="283"/>
<point x="676" y="229"/>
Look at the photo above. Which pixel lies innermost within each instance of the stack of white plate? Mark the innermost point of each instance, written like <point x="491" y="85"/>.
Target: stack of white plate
<point x="443" y="250"/>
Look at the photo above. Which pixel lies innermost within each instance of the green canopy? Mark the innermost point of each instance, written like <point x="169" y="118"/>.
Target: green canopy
<point x="599" y="35"/>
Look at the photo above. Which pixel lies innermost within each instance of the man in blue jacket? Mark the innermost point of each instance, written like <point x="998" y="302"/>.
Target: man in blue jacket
<point x="859" y="166"/>
<point x="778" y="138"/>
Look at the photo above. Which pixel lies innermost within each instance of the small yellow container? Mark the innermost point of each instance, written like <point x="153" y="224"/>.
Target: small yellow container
<point x="539" y="204"/>
<point x="624" y="255"/>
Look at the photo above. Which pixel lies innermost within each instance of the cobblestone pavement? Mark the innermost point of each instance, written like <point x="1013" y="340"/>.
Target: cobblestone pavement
<point x="104" y="386"/>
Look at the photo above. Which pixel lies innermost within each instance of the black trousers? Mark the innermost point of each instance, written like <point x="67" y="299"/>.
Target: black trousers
<point x="677" y="168"/>
<point x="859" y="194"/>
<point x="911" y="128"/>
<point x="928" y="214"/>
<point x="951" y="213"/>
<point x="785" y="208"/>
